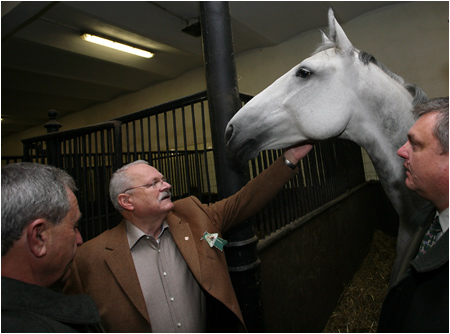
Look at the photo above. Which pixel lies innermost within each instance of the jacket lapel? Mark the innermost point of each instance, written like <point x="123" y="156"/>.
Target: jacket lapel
<point x="186" y="243"/>
<point x="422" y="263"/>
<point x="118" y="258"/>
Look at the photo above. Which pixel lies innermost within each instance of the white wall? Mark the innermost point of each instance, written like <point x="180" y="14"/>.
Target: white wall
<point x="411" y="39"/>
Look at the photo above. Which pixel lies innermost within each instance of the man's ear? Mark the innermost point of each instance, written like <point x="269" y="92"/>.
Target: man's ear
<point x="125" y="202"/>
<point x="37" y="233"/>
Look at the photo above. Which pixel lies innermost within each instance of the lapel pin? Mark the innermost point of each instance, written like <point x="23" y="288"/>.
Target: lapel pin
<point x="186" y="238"/>
<point x="213" y="240"/>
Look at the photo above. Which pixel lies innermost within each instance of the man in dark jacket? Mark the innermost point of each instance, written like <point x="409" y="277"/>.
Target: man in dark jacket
<point x="417" y="300"/>
<point x="39" y="240"/>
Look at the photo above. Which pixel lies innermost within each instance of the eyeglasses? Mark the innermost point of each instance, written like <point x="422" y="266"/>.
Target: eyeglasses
<point x="151" y="185"/>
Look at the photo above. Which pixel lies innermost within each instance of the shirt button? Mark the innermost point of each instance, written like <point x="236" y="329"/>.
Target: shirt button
<point x="179" y="324"/>
<point x="164" y="273"/>
<point x="172" y="299"/>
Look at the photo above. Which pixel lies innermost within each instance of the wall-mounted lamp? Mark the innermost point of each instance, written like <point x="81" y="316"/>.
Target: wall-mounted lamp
<point x="116" y="45"/>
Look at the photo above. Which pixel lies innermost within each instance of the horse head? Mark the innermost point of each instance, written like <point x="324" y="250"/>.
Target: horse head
<point x="296" y="107"/>
<point x="323" y="97"/>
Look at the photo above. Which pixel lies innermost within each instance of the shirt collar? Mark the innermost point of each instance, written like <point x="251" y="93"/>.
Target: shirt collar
<point x="443" y="220"/>
<point x="134" y="233"/>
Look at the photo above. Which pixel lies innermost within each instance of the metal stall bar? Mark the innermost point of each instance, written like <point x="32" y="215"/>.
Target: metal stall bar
<point x="176" y="177"/>
<point x="79" y="154"/>
<point x="339" y="163"/>
<point x="321" y="178"/>
<point x="187" y="167"/>
<point x="170" y="134"/>
<point x="196" y="156"/>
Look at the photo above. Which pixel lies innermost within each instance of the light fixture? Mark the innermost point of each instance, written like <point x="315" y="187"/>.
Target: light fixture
<point x="116" y="45"/>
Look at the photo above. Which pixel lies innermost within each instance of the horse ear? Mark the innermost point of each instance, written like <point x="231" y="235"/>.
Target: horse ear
<point x="325" y="39"/>
<point x="337" y="34"/>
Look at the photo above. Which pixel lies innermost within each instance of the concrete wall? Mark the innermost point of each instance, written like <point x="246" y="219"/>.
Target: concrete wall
<point x="305" y="268"/>
<point x="411" y="39"/>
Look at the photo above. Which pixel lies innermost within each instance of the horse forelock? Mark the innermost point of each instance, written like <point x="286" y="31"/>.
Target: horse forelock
<point x="324" y="46"/>
<point x="416" y="92"/>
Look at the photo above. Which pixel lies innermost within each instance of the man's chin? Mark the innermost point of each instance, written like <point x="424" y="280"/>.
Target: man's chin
<point x="166" y="201"/>
<point x="409" y="184"/>
<point x="166" y="205"/>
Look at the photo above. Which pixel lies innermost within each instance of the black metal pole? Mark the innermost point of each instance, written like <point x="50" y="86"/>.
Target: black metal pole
<point x="222" y="90"/>
<point x="231" y="175"/>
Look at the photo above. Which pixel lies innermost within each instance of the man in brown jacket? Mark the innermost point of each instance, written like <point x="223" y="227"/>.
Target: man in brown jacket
<point x="158" y="270"/>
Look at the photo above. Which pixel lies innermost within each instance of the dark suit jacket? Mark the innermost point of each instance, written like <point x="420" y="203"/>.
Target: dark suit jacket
<point x="418" y="298"/>
<point x="28" y="308"/>
<point x="104" y="269"/>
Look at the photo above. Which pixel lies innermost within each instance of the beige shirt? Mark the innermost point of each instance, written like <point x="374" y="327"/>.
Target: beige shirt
<point x="175" y="302"/>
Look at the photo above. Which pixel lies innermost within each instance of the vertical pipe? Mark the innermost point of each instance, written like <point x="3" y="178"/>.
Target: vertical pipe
<point x="224" y="102"/>
<point x="223" y="95"/>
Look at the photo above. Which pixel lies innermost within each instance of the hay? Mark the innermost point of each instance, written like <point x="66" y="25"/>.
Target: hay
<point x="360" y="303"/>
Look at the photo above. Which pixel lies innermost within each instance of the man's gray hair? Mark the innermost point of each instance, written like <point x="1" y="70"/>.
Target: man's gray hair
<point x="440" y="131"/>
<point x="120" y="181"/>
<point x="31" y="191"/>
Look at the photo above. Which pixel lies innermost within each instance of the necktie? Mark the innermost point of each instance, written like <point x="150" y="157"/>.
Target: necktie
<point x="430" y="237"/>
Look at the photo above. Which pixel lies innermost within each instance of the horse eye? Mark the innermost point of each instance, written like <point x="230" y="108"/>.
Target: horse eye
<point x="303" y="72"/>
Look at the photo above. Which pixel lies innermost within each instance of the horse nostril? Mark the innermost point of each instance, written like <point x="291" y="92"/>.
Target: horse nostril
<point x="228" y="133"/>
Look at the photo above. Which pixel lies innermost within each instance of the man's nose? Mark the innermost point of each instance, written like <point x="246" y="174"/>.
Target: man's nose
<point x="165" y="185"/>
<point x="402" y="151"/>
<point x="79" y="238"/>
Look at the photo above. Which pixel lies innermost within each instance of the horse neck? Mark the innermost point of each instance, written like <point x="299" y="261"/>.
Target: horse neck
<point x="381" y="129"/>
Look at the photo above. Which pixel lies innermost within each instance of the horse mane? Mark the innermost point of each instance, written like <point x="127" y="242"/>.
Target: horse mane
<point x="416" y="92"/>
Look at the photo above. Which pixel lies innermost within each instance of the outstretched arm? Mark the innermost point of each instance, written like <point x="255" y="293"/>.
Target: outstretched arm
<point x="257" y="193"/>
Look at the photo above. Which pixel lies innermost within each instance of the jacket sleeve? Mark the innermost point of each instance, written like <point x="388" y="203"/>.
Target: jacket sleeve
<point x="251" y="198"/>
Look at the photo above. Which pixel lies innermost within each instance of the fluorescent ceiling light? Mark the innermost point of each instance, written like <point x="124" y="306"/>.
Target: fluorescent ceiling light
<point x="116" y="45"/>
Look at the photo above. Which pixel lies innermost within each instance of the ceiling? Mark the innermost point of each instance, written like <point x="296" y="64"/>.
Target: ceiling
<point x="46" y="65"/>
